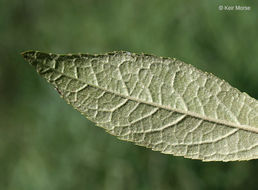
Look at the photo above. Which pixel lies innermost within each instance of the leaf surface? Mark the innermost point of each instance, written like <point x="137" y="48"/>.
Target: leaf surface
<point x="160" y="103"/>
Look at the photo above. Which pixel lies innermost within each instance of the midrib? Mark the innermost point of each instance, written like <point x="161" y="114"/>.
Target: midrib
<point x="198" y="116"/>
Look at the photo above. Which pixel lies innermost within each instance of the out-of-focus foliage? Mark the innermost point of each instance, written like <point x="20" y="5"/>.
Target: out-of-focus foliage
<point x="54" y="147"/>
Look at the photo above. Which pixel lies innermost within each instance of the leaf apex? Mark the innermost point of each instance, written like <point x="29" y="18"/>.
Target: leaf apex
<point x="29" y="56"/>
<point x="28" y="52"/>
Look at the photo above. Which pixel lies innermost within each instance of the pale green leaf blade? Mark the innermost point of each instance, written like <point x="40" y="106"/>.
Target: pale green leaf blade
<point x="160" y="103"/>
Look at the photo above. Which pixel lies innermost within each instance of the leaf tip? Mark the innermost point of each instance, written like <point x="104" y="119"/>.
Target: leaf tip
<point x="29" y="56"/>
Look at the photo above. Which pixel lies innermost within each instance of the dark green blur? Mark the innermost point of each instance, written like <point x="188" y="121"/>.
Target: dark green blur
<point x="46" y="144"/>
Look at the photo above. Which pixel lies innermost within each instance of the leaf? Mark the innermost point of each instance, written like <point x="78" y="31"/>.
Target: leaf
<point x="160" y="103"/>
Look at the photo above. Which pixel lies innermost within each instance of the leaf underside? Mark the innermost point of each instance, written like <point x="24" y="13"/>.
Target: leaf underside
<point x="159" y="103"/>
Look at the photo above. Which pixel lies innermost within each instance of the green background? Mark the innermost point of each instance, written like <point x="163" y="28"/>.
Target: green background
<point x="46" y="144"/>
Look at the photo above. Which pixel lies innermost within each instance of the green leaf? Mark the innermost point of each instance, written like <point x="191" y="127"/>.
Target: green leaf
<point x="160" y="103"/>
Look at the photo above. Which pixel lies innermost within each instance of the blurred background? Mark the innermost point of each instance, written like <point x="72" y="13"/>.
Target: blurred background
<point x="46" y="144"/>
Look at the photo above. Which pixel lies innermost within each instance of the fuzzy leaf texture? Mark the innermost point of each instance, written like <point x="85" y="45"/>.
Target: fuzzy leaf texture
<point x="155" y="102"/>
